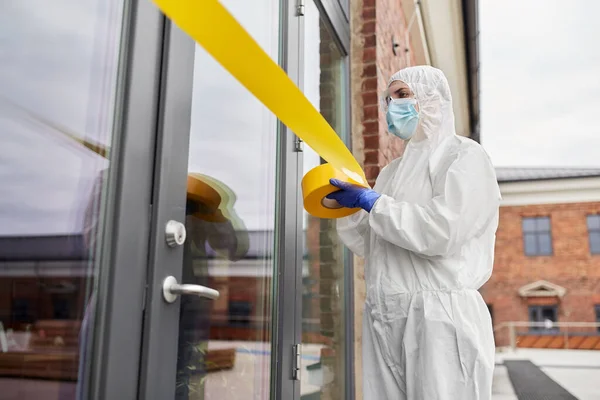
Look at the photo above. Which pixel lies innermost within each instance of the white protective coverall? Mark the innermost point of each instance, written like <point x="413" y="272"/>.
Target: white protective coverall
<point x="428" y="245"/>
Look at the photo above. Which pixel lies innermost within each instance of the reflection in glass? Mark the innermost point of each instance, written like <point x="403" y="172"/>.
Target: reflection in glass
<point x="324" y="294"/>
<point x="57" y="85"/>
<point x="225" y="344"/>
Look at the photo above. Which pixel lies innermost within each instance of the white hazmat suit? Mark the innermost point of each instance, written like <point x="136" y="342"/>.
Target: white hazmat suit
<point x="428" y="245"/>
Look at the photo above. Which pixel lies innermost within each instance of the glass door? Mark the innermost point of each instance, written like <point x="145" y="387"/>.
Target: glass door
<point x="211" y="329"/>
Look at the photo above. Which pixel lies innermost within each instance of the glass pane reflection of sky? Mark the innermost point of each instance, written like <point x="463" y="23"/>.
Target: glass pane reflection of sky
<point x="57" y="72"/>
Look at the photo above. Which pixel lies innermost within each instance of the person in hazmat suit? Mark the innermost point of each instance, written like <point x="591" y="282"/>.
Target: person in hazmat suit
<point x="427" y="232"/>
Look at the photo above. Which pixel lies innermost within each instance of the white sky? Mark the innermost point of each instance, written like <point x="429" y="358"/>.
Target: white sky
<point x="540" y="72"/>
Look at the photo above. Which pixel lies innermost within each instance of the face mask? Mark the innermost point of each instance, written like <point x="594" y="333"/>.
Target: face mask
<point x="402" y="118"/>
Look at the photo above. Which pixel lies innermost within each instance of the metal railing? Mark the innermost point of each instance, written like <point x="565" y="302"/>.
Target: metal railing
<point x="547" y="328"/>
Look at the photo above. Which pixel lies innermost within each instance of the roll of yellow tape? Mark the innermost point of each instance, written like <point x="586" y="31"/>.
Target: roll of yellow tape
<point x="203" y="193"/>
<point x="315" y="188"/>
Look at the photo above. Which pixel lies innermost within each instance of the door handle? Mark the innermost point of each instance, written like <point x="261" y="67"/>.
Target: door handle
<point x="172" y="289"/>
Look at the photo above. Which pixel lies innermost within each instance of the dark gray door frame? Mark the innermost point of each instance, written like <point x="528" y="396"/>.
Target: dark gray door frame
<point x="117" y="327"/>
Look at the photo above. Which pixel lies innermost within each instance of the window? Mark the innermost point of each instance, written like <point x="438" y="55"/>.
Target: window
<point x="21" y="311"/>
<point x="61" y="308"/>
<point x="598" y="315"/>
<point x="544" y="314"/>
<point x="537" y="236"/>
<point x="593" y="224"/>
<point x="240" y="313"/>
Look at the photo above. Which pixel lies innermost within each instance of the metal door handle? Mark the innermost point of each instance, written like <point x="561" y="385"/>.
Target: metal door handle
<point x="172" y="289"/>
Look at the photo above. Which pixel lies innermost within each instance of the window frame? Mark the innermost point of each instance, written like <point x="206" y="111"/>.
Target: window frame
<point x="537" y="233"/>
<point x="538" y="310"/>
<point x="593" y="251"/>
<point x="332" y="15"/>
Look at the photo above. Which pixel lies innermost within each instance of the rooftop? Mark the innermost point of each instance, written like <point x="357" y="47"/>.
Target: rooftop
<point x="517" y="174"/>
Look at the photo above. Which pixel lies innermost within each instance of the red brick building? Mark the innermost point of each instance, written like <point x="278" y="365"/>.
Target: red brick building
<point x="547" y="266"/>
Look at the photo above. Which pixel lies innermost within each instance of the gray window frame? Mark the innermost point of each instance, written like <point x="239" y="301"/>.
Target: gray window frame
<point x="593" y="250"/>
<point x="336" y="15"/>
<point x="539" y="310"/>
<point x="537" y="233"/>
<point x="335" y="18"/>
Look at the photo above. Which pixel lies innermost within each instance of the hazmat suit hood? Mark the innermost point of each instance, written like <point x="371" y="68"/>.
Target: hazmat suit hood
<point x="432" y="92"/>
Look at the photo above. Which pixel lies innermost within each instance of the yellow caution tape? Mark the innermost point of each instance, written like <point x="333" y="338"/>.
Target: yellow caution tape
<point x="215" y="29"/>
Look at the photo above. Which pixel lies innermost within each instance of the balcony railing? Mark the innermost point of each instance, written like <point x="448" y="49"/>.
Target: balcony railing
<point x="566" y="330"/>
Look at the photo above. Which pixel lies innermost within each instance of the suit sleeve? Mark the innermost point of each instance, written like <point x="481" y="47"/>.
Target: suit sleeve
<point x="354" y="231"/>
<point x="465" y="202"/>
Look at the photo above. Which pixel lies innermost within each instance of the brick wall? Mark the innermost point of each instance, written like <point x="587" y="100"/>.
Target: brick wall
<point x="571" y="266"/>
<point x="373" y="61"/>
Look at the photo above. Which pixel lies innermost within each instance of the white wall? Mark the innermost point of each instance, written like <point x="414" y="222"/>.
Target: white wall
<point x="556" y="191"/>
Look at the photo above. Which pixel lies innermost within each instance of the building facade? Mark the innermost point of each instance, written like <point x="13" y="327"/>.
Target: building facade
<point x="131" y="162"/>
<point x="547" y="267"/>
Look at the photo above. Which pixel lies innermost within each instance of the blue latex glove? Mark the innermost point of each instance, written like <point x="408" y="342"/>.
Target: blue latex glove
<point x="352" y="196"/>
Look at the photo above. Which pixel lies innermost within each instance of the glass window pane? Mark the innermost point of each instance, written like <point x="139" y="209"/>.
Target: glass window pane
<point x="543" y="224"/>
<point x="593" y="222"/>
<point x="58" y="75"/>
<point x="531" y="245"/>
<point x="595" y="242"/>
<point x="529" y="225"/>
<point x="545" y="244"/>
<point x="534" y="317"/>
<point x="323" y="338"/>
<point x="549" y="313"/>
<point x="224" y="349"/>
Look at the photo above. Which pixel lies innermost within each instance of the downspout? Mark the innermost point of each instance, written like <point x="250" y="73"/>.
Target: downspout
<point x="471" y="25"/>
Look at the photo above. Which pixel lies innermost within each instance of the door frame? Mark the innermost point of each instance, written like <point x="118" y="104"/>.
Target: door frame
<point x="120" y="286"/>
<point x="161" y="319"/>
